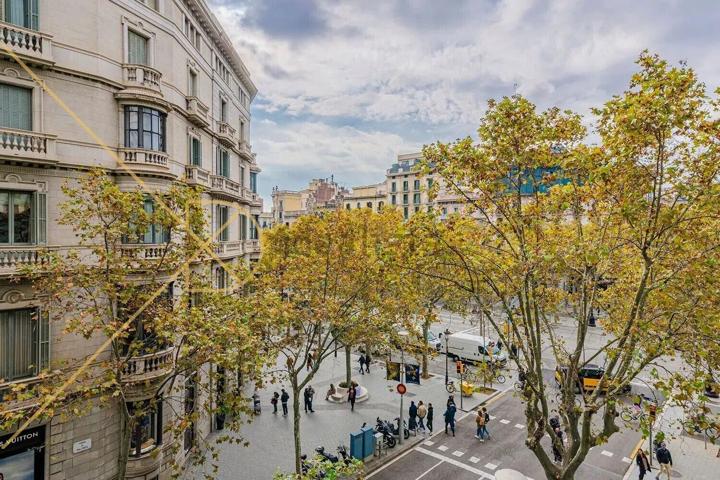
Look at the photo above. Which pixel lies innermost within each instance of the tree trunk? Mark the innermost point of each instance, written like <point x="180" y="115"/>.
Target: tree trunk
<point x="348" y="366"/>
<point x="426" y="347"/>
<point x="296" y="426"/>
<point x="125" y="432"/>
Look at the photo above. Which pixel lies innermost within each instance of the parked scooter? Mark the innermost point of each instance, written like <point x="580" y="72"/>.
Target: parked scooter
<point x="326" y="455"/>
<point x="342" y="450"/>
<point x="396" y="428"/>
<point x="384" y="427"/>
<point x="305" y="468"/>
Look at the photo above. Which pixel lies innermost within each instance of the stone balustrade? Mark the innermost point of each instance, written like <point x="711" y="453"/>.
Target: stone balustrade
<point x="26" y="144"/>
<point x="141" y="76"/>
<point x="224" y="186"/>
<point x="144" y="160"/>
<point x="195" y="175"/>
<point x="143" y="251"/>
<point x="13" y="258"/>
<point x="147" y="367"/>
<point x="228" y="249"/>
<point x="197" y="111"/>
<point x="26" y="43"/>
<point x="226" y="134"/>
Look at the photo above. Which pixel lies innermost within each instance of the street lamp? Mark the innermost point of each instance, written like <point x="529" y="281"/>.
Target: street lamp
<point x="401" y="430"/>
<point x="447" y="332"/>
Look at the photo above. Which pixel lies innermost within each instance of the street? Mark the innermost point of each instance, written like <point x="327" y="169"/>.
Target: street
<point x="464" y="457"/>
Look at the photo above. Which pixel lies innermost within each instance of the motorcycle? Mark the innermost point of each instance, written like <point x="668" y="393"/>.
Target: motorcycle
<point x="326" y="455"/>
<point x="305" y="467"/>
<point x="382" y="426"/>
<point x="342" y="450"/>
<point x="396" y="428"/>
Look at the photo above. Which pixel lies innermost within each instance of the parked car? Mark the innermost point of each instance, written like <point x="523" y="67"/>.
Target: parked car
<point x="588" y="378"/>
<point x="474" y="348"/>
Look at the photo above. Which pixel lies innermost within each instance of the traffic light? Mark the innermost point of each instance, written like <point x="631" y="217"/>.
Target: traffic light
<point x="460" y="367"/>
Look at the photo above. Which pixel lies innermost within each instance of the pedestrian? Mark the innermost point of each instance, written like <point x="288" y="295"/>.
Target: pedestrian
<point x="412" y="416"/>
<point x="643" y="463"/>
<point x="367" y="362"/>
<point x="514" y="351"/>
<point x="274" y="401"/>
<point x="480" y="423"/>
<point x="308" y="394"/>
<point x="430" y="413"/>
<point x="284" y="397"/>
<point x="486" y="417"/>
<point x="556" y="451"/>
<point x="331" y="391"/>
<point x="451" y="399"/>
<point x="421" y="414"/>
<point x="362" y="363"/>
<point x="352" y="393"/>
<point x="309" y="364"/>
<point x="665" y="460"/>
<point x="450" y="417"/>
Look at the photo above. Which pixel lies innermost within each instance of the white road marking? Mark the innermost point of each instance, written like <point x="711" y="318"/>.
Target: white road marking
<point x="504" y="422"/>
<point x="626" y="460"/>
<point x="519" y="425"/>
<point x="442" y="448"/>
<point x="458" y="453"/>
<point x="606" y="453"/>
<point x="456" y="463"/>
<point x="492" y="417"/>
<point x="429" y="443"/>
<point x="490" y="466"/>
<point x="429" y="469"/>
<point x="474" y="459"/>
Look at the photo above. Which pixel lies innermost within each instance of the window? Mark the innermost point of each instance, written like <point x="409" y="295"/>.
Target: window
<point x="429" y="183"/>
<point x="243" y="97"/>
<point x="429" y="209"/>
<point x="405" y="198"/>
<point x="24" y="343"/>
<point x="381" y="204"/>
<point x="15" y="107"/>
<point x="417" y="209"/>
<point x="253" y="227"/>
<point x="147" y="430"/>
<point x="393" y="199"/>
<point x="253" y="182"/>
<point x="137" y="49"/>
<point x="242" y="130"/>
<point x="222" y="70"/>
<point x="416" y="198"/>
<point x="189" y="434"/>
<point x="369" y="205"/>
<point x="358" y="204"/>
<point x="192" y="33"/>
<point x="223" y="110"/>
<point x="242" y="177"/>
<point x="23" y="217"/>
<point x="23" y="13"/>
<point x="221" y="223"/>
<point x="347" y="206"/>
<point x="416" y="185"/>
<point x="405" y="185"/>
<point x="221" y="277"/>
<point x="155" y="233"/>
<point x="195" y="151"/>
<point x="243" y="226"/>
<point x="222" y="166"/>
<point x="192" y="83"/>
<point x="405" y="213"/>
<point x="394" y="187"/>
<point x="444" y="210"/>
<point x="144" y="128"/>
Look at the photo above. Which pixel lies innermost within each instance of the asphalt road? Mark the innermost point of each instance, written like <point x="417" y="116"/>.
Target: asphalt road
<point x="443" y="456"/>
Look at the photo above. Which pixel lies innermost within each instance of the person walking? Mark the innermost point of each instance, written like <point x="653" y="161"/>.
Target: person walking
<point x="352" y="393"/>
<point x="284" y="397"/>
<point x="430" y="413"/>
<point x="556" y="451"/>
<point x="309" y="393"/>
<point x="450" y="417"/>
<point x="362" y="363"/>
<point x="274" y="401"/>
<point x="412" y="416"/>
<point x="421" y="414"/>
<point x="480" y="423"/>
<point x="451" y="399"/>
<point x="367" y="362"/>
<point x="643" y="463"/>
<point x="665" y="460"/>
<point x="309" y="364"/>
<point x="486" y="418"/>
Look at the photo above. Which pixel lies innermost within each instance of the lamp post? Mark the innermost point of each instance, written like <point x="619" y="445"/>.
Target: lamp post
<point x="447" y="332"/>
<point x="401" y="430"/>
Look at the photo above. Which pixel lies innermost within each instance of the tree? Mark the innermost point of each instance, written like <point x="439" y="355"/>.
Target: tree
<point x="628" y="228"/>
<point x="321" y="279"/>
<point x="117" y="289"/>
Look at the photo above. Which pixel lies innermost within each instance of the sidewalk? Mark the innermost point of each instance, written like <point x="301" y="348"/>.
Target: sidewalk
<point x="271" y="438"/>
<point x="693" y="458"/>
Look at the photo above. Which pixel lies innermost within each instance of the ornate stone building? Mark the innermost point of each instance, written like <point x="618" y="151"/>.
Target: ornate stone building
<point x="159" y="82"/>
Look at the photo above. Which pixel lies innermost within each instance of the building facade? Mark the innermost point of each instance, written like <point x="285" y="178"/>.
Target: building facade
<point x="159" y="83"/>
<point x="321" y="195"/>
<point x="367" y="196"/>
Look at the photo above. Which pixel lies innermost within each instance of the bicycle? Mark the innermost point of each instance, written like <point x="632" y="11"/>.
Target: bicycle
<point x="632" y="414"/>
<point x="696" y="426"/>
<point x="450" y="387"/>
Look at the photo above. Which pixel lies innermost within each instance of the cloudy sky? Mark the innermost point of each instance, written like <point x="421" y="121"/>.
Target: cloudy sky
<point x="344" y="86"/>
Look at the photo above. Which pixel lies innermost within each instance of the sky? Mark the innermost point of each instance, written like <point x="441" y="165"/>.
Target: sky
<point x="344" y="86"/>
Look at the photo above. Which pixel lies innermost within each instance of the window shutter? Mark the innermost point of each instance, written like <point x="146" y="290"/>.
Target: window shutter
<point x="137" y="49"/>
<point x="34" y="13"/>
<point x="41" y="216"/>
<point x="43" y="360"/>
<point x="217" y="161"/>
<point x="15" y="107"/>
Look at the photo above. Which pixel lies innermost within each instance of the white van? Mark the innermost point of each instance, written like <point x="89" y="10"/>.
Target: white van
<point x="473" y="348"/>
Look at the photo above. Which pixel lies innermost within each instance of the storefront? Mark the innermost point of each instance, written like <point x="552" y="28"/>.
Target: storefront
<point x="24" y="458"/>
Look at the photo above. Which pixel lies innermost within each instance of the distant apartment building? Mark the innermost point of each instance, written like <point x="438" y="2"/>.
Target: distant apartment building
<point x="159" y="82"/>
<point x="321" y="195"/>
<point x="373" y="197"/>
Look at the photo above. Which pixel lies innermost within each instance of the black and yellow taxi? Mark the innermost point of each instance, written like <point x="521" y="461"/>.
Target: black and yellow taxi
<point x="589" y="378"/>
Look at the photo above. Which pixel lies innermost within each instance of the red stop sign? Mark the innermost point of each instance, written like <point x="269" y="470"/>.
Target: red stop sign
<point x="401" y="388"/>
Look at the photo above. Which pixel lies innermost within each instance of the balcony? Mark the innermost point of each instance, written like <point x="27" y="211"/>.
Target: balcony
<point x="228" y="249"/>
<point x="144" y="161"/>
<point x="32" y="46"/>
<point x="226" y="134"/>
<point x="14" y="258"/>
<point x="197" y="112"/>
<point x="143" y="251"/>
<point x="198" y="176"/>
<point x="252" y="246"/>
<point x="223" y="186"/>
<point x="245" y="150"/>
<point x="147" y="464"/>
<point x="141" y="82"/>
<point x="147" y="367"/>
<point x="252" y="197"/>
<point x="27" y="145"/>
